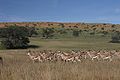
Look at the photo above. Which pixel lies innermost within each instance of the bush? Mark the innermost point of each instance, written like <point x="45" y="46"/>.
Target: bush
<point x="115" y="37"/>
<point x="48" y="32"/>
<point x="104" y="33"/>
<point x="92" y="33"/>
<point x="76" y="33"/>
<point x="32" y="31"/>
<point x="14" y="37"/>
<point x="62" y="31"/>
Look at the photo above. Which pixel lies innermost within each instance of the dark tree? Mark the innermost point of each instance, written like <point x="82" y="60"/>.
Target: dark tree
<point x="32" y="31"/>
<point x="14" y="37"/>
<point x="115" y="37"/>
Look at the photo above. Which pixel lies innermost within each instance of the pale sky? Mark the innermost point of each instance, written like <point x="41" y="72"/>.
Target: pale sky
<point x="91" y="11"/>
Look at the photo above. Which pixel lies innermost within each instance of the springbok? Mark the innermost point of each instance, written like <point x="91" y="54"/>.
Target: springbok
<point x="105" y="55"/>
<point x="117" y="54"/>
<point x="82" y="54"/>
<point x="93" y="55"/>
<point x="67" y="57"/>
<point x="34" y="58"/>
<point x="46" y="55"/>
<point x="77" y="57"/>
<point x="73" y="56"/>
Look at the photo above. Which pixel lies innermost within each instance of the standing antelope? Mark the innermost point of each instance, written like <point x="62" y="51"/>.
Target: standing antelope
<point x="117" y="54"/>
<point x="82" y="54"/>
<point x="93" y="55"/>
<point x="106" y="56"/>
<point x="34" y="58"/>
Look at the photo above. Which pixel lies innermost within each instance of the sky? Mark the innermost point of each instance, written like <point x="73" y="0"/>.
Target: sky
<point x="89" y="11"/>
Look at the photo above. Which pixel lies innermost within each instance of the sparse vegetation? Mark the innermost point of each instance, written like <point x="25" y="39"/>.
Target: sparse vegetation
<point x="64" y="37"/>
<point x="47" y="32"/>
<point x="76" y="33"/>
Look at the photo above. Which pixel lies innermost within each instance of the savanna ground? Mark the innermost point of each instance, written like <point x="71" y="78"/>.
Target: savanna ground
<point x="18" y="66"/>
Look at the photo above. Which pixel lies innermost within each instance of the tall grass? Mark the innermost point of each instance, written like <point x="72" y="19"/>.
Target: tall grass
<point x="20" y="67"/>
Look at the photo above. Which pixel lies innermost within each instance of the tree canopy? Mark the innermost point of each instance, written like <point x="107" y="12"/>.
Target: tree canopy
<point x="14" y="37"/>
<point x="115" y="37"/>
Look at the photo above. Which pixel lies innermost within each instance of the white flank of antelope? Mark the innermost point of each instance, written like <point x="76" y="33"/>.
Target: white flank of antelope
<point x="106" y="56"/>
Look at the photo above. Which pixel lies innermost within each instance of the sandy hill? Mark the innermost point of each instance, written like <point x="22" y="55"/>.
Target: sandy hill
<point x="58" y="24"/>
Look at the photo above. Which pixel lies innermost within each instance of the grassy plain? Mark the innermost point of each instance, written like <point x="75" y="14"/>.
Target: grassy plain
<point x="18" y="66"/>
<point x="80" y="43"/>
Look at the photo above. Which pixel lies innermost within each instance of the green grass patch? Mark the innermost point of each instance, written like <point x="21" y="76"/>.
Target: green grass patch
<point x="79" y="43"/>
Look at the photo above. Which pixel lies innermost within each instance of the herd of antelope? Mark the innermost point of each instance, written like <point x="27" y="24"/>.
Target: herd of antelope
<point x="73" y="56"/>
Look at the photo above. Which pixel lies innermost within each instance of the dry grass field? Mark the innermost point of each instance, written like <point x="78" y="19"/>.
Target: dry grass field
<point x="18" y="66"/>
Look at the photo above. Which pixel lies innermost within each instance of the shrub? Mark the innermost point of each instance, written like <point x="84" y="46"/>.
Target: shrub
<point x="104" y="33"/>
<point x="92" y="33"/>
<point x="76" y="33"/>
<point x="48" y="32"/>
<point x="32" y="31"/>
<point x="115" y="37"/>
<point x="14" y="37"/>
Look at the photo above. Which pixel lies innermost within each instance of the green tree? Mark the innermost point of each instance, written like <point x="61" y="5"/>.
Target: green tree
<point x="14" y="37"/>
<point x="32" y="31"/>
<point x="115" y="37"/>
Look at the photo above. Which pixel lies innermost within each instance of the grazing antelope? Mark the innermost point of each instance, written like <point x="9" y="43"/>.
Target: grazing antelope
<point x="117" y="54"/>
<point x="106" y="55"/>
<point x="65" y="57"/>
<point x="82" y="54"/>
<point x="44" y="56"/>
<point x="77" y="57"/>
<point x="70" y="57"/>
<point x="73" y="56"/>
<point x="93" y="55"/>
<point x="33" y="57"/>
